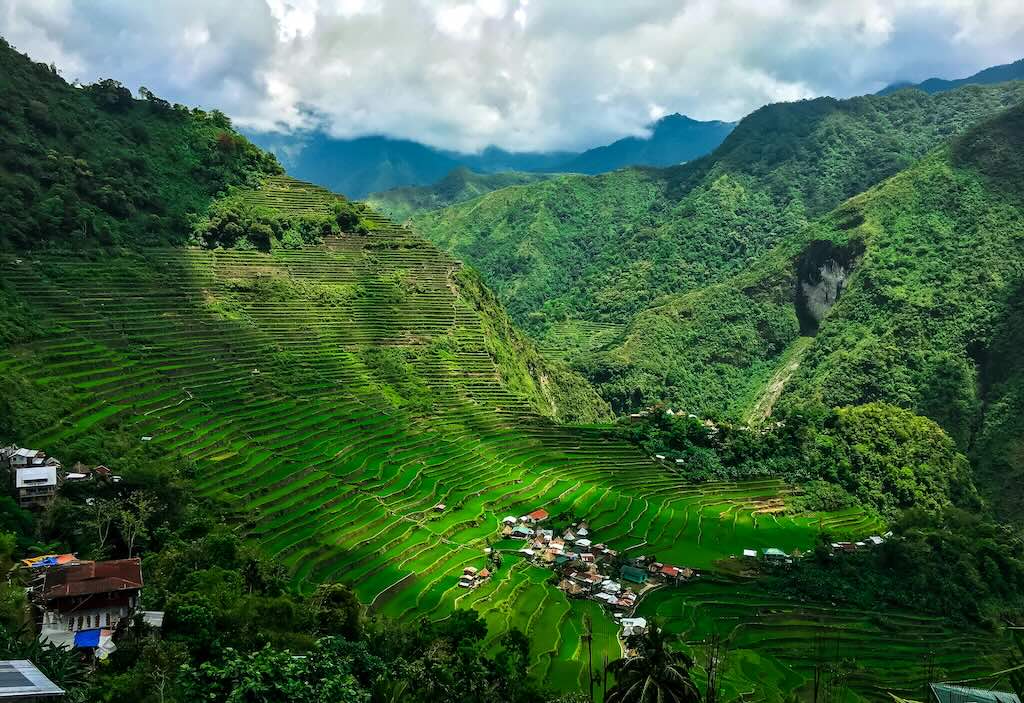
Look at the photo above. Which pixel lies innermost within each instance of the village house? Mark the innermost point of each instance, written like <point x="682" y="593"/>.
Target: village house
<point x="958" y="693"/>
<point x="510" y="521"/>
<point x="86" y="596"/>
<point x="521" y="532"/>
<point x="675" y="573"/>
<point x="471" y="577"/>
<point x="20" y="680"/>
<point x="773" y="555"/>
<point x="539" y="515"/>
<point x="16" y="458"/>
<point x="634" y="575"/>
<point x="588" y="580"/>
<point x="35" y="486"/>
<point x="633" y="626"/>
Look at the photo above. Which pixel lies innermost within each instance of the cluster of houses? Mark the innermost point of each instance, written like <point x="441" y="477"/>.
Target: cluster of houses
<point x="473" y="577"/>
<point x="35" y="476"/>
<point x="591" y="570"/>
<point x="872" y="541"/>
<point x="775" y="556"/>
<point x="543" y="545"/>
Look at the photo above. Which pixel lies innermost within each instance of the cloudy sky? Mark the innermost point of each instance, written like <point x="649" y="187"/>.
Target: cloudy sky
<point x="520" y="74"/>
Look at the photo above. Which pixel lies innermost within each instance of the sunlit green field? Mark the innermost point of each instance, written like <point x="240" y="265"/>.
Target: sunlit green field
<point x="261" y="368"/>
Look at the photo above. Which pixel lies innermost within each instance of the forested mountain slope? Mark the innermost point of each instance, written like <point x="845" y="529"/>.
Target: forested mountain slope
<point x="604" y="248"/>
<point x="459" y="185"/>
<point x="311" y="395"/>
<point x="928" y="268"/>
<point x="93" y="165"/>
<point x="993" y="74"/>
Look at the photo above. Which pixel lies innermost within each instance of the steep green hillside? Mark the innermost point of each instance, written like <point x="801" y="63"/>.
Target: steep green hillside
<point x="602" y="249"/>
<point x="94" y="165"/>
<point x="458" y="186"/>
<point x="928" y="312"/>
<point x="334" y="395"/>
<point x="365" y="412"/>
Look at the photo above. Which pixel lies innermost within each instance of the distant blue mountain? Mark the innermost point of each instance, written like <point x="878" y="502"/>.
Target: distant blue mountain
<point x="994" y="74"/>
<point x="357" y="167"/>
<point x="674" y="139"/>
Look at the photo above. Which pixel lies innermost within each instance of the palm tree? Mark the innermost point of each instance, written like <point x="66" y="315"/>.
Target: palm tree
<point x="655" y="675"/>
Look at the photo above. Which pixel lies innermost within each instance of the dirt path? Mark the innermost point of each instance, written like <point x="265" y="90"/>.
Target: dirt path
<point x="762" y="409"/>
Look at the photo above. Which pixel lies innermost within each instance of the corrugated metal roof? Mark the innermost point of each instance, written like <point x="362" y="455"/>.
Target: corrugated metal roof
<point x="36" y="476"/>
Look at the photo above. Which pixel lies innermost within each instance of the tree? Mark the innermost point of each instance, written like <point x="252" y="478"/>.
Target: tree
<point x="102" y="514"/>
<point x="338" y="611"/>
<point x="132" y="516"/>
<point x="655" y="675"/>
<point x="588" y="637"/>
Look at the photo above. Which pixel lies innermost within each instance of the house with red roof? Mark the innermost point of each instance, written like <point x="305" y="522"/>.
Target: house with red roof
<point x="88" y="595"/>
<point x="538" y="515"/>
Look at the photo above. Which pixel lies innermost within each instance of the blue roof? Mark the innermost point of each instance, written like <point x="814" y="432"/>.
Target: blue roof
<point x="87" y="638"/>
<point x="631" y="573"/>
<point x="955" y="693"/>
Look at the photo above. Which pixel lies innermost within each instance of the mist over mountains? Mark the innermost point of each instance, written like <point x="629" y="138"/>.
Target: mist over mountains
<point x="371" y="164"/>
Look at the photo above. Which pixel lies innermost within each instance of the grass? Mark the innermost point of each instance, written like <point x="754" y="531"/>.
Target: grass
<point x="336" y="468"/>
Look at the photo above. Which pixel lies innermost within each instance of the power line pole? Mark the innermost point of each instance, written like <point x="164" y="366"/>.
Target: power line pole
<point x="588" y="637"/>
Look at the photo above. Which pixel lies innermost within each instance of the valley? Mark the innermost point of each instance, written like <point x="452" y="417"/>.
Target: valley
<point x="301" y="446"/>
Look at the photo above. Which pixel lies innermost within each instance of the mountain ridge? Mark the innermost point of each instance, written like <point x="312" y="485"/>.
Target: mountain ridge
<point x="374" y="164"/>
<point x="603" y="248"/>
<point x="993" y="74"/>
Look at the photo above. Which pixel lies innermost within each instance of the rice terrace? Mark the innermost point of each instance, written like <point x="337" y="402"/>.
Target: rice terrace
<point x="495" y="380"/>
<point x="287" y="378"/>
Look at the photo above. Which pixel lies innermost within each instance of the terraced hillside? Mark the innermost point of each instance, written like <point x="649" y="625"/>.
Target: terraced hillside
<point x="338" y="393"/>
<point x="773" y="643"/>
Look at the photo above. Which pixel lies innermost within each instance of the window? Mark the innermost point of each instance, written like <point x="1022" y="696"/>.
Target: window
<point x="108" y="618"/>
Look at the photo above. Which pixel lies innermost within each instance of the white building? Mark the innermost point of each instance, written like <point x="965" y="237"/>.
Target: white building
<point x="35" y="485"/>
<point x="633" y="626"/>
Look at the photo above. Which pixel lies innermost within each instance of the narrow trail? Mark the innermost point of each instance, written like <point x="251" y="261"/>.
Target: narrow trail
<point x="762" y="409"/>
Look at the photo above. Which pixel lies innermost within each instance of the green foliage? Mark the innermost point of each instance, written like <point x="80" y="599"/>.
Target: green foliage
<point x="882" y="456"/>
<point x="605" y="248"/>
<point x="553" y="389"/>
<point x="98" y="166"/>
<point x="949" y="562"/>
<point x="333" y="670"/>
<point x="927" y="320"/>
<point x="656" y="674"/>
<point x="62" y="666"/>
<point x="458" y="186"/>
<point x="234" y="221"/>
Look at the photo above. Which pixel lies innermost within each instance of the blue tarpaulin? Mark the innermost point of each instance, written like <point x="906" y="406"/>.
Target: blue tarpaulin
<point x="88" y="638"/>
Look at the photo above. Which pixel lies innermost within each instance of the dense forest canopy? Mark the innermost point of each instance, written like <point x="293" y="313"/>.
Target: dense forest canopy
<point x="606" y="248"/>
<point x="93" y="164"/>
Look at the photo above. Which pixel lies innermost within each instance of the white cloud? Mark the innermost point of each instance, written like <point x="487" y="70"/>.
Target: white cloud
<point x="466" y="73"/>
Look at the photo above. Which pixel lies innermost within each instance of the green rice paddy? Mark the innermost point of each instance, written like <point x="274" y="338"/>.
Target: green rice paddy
<point x="255" y="366"/>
